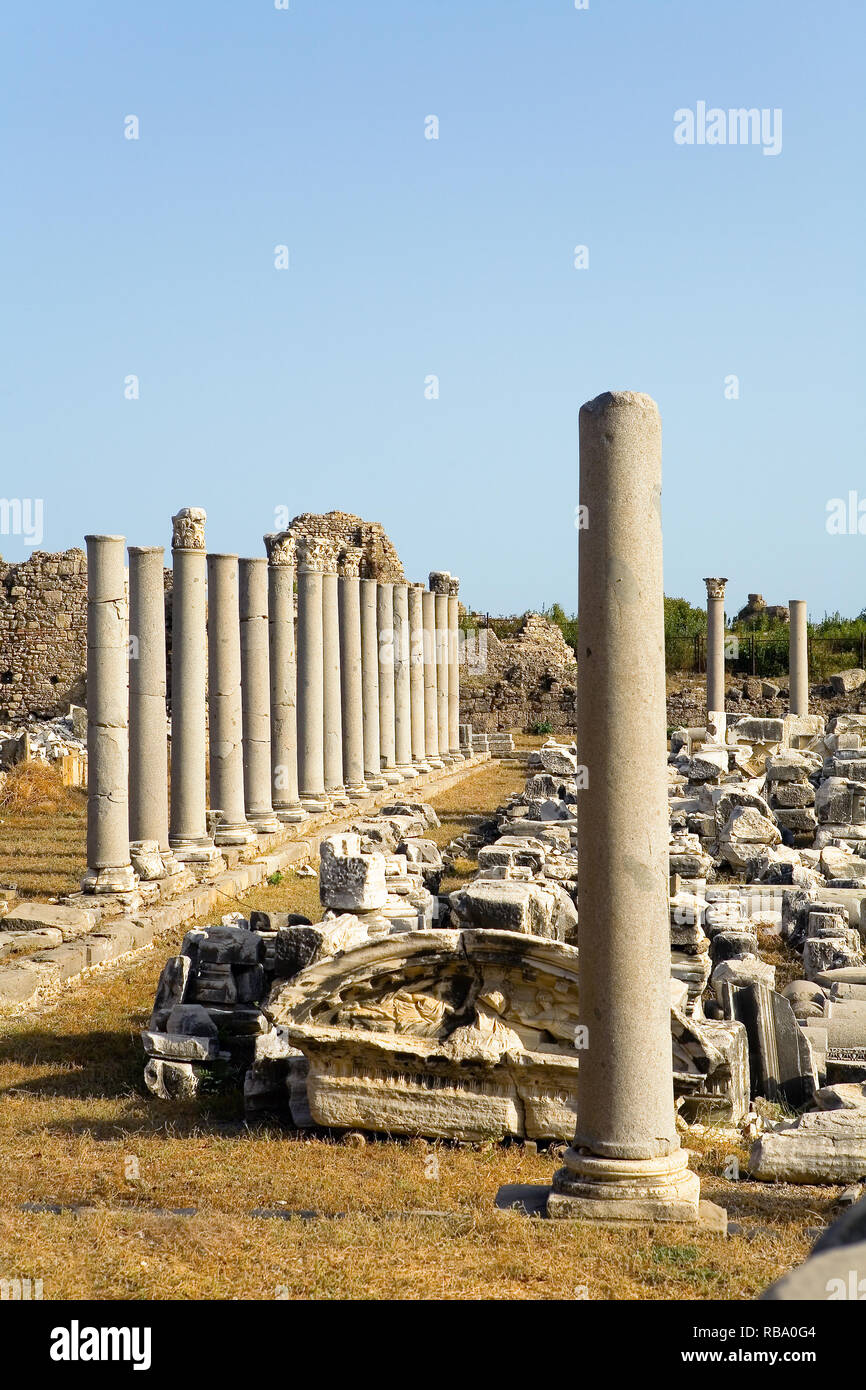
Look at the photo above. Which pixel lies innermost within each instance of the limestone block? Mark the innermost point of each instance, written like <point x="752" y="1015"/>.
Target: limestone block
<point x="350" y="880"/>
<point x="826" y="1146"/>
<point x="505" y="905"/>
<point x="844" y="682"/>
<point x="71" y="922"/>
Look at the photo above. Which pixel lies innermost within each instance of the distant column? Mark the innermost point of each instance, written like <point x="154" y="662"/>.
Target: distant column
<point x="351" y="675"/>
<point x="284" y="677"/>
<point x="454" y="669"/>
<point x="311" y="675"/>
<point x="715" y="644"/>
<point x="370" y="681"/>
<point x="256" y="692"/>
<point x="416" y="676"/>
<point x="187" y="834"/>
<point x="332" y="712"/>
<point x="387" y="718"/>
<point x="625" y="1161"/>
<point x="225" y="718"/>
<point x="439" y="581"/>
<point x="148" y="728"/>
<point x="109" y="869"/>
<point x="402" y="684"/>
<point x="431" y="695"/>
<point x="798" y="661"/>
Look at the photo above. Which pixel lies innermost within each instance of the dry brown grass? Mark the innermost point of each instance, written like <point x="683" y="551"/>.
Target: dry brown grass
<point x="74" y="1113"/>
<point x="43" y="828"/>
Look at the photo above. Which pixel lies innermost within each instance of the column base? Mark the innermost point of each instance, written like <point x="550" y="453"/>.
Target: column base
<point x="263" y="822"/>
<point x="119" y="879"/>
<point x="407" y="771"/>
<point x="626" y="1189"/>
<point x="375" y="782"/>
<point x="234" y="834"/>
<point x="290" y="815"/>
<point x="195" y="851"/>
<point x="315" y="803"/>
<point x="391" y="777"/>
<point x="338" y="796"/>
<point x="421" y="767"/>
<point x="436" y="764"/>
<point x="358" y="793"/>
<point x="172" y="867"/>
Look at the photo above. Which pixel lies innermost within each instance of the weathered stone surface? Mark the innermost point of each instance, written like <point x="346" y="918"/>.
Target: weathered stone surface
<point x="844" y="682"/>
<point x="71" y="922"/>
<point x="825" y="1146"/>
<point x="534" y="909"/>
<point x="349" y="879"/>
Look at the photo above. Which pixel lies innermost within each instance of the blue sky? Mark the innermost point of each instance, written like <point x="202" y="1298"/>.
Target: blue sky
<point x="305" y="388"/>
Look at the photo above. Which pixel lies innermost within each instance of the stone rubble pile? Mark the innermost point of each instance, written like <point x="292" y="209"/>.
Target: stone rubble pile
<point x="45" y="740"/>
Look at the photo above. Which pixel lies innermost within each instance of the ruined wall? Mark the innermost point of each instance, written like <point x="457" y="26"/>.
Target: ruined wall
<point x="519" y="681"/>
<point x="381" y="560"/>
<point x="43" y="633"/>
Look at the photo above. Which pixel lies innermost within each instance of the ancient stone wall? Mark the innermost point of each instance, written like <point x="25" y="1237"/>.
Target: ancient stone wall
<point x="43" y="628"/>
<point x="519" y="682"/>
<point x="380" y="560"/>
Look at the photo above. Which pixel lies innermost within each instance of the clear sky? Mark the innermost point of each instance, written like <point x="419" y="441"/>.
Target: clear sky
<point x="304" y="388"/>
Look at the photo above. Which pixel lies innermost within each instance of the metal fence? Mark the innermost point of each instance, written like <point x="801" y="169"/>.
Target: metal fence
<point x="766" y="653"/>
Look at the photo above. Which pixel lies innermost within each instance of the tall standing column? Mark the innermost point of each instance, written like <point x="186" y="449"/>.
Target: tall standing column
<point x="416" y="676"/>
<point x="625" y="1161"/>
<point x="431" y="695"/>
<point x="332" y="711"/>
<point x="311" y="675"/>
<point x="387" y="715"/>
<point x="798" y="660"/>
<point x="284" y="677"/>
<point x="225" y="717"/>
<point x="454" y="669"/>
<point x="351" y="676"/>
<point x="109" y="869"/>
<point x="402" y="684"/>
<point x="256" y="693"/>
<point x="715" y="645"/>
<point x="148" y="733"/>
<point x="187" y="834"/>
<point x="370" y="682"/>
<point x="439" y="580"/>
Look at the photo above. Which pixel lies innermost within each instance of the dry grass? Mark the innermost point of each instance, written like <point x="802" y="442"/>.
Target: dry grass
<point x="43" y="828"/>
<point x="77" y="1127"/>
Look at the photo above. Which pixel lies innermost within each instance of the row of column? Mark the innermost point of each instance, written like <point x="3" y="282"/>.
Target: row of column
<point x="798" y="660"/>
<point x="371" y="700"/>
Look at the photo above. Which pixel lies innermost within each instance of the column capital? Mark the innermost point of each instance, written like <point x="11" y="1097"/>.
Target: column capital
<point x="316" y="555"/>
<point x="281" y="547"/>
<point x="439" y="581"/>
<point x="350" y="561"/>
<point x="453" y="586"/>
<point x="715" y="587"/>
<point x="187" y="529"/>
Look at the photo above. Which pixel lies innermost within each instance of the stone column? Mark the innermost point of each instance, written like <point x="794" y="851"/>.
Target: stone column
<point x="402" y="684"/>
<point x="256" y="694"/>
<point x="332" y="708"/>
<point x="109" y="869"/>
<point x="715" y="645"/>
<point x="370" y="682"/>
<point x="625" y="1162"/>
<point x="225" y="716"/>
<point x="439" y="581"/>
<point x="311" y="675"/>
<point x="454" y="669"/>
<point x="351" y="677"/>
<point x="431" y="697"/>
<point x="284" y="677"/>
<point x="187" y="834"/>
<point x="387" y="715"/>
<point x="148" y="730"/>
<point x="798" y="660"/>
<point x="416" y="676"/>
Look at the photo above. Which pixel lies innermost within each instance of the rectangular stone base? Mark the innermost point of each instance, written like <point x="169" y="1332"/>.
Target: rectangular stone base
<point x="638" y="1212"/>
